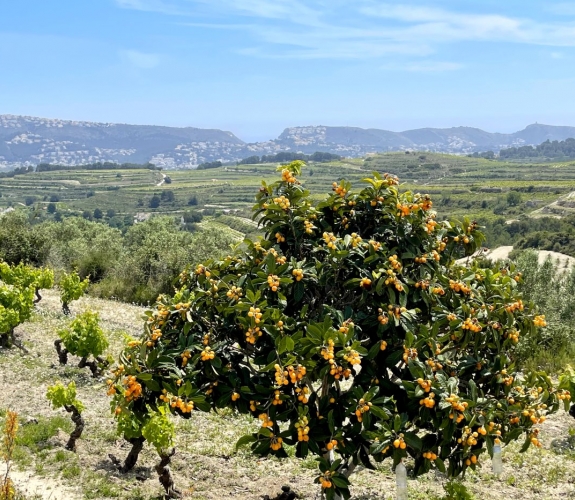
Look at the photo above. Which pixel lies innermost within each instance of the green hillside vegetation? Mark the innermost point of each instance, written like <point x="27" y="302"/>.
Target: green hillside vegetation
<point x="495" y="193"/>
<point x="546" y="150"/>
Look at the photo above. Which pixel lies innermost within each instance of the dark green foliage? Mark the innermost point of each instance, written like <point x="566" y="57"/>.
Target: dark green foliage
<point x="547" y="149"/>
<point x="20" y="241"/>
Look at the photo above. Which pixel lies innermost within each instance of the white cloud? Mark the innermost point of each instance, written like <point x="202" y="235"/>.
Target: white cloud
<point x="557" y="55"/>
<point x="346" y="29"/>
<point x="141" y="60"/>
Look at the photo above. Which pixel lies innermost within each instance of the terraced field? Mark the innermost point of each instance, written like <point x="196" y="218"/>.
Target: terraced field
<point x="459" y="185"/>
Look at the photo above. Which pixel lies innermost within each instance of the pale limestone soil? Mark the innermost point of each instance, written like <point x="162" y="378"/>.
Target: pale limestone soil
<point x="206" y="463"/>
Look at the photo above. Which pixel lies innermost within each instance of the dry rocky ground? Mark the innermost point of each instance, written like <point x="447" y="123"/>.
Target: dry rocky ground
<point x="206" y="464"/>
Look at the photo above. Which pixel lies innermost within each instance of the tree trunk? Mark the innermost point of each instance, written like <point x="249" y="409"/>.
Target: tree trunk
<point x="165" y="475"/>
<point x="93" y="365"/>
<point x="132" y="458"/>
<point x="65" y="308"/>
<point x="38" y="296"/>
<point x="77" y="432"/>
<point x="62" y="352"/>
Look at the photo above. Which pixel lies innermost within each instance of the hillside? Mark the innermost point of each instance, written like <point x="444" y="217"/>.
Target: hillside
<point x="26" y="141"/>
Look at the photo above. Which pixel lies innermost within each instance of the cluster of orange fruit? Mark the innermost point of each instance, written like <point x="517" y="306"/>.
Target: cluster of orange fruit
<point x="281" y="201"/>
<point x="288" y="177"/>
<point x="176" y="402"/>
<point x="428" y="402"/>
<point x="355" y="240"/>
<point x="277" y="398"/>
<point x="513" y="336"/>
<point x="424" y="384"/>
<point x="327" y="351"/>
<point x="515" y="306"/>
<point x="133" y="388"/>
<point x="235" y="396"/>
<point x="302" y="394"/>
<point x="302" y="429"/>
<point x="266" y="422"/>
<point x="281" y="375"/>
<point x="352" y="356"/>
<point x="430" y="224"/>
<point x="275" y="442"/>
<point x="437" y="290"/>
<point x="383" y="319"/>
<point x="533" y="438"/>
<point x="207" y="354"/>
<point x="383" y="345"/>
<point x="471" y="460"/>
<point x="423" y="284"/>
<point x="331" y="445"/>
<point x="400" y="443"/>
<point x="434" y="365"/>
<point x="457" y="286"/>
<point x="273" y="282"/>
<point x="253" y="334"/>
<point x="330" y="240"/>
<point x="469" y="437"/>
<point x="409" y="353"/>
<point x="256" y="314"/>
<point x="339" y="189"/>
<point x="430" y="455"/>
<point x="361" y="408"/>
<point x="297" y="373"/>
<point x="186" y="355"/>
<point x="201" y="269"/>
<point x="392" y="280"/>
<point x="377" y="200"/>
<point x="471" y="324"/>
<point x="539" y="321"/>
<point x="280" y="238"/>
<point x="308" y="226"/>
<point x="365" y="283"/>
<point x="298" y="274"/>
<point x="344" y="328"/>
<point x="375" y="244"/>
<point x="564" y="395"/>
<point x="325" y="480"/>
<point x="234" y="293"/>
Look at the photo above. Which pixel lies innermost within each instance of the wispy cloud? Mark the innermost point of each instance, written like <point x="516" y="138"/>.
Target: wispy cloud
<point x="345" y="29"/>
<point x="140" y="60"/>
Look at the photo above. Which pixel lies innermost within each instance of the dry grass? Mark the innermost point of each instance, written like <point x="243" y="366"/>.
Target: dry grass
<point x="206" y="463"/>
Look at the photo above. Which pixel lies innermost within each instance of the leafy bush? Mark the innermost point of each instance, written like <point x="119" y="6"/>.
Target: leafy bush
<point x="83" y="338"/>
<point x="71" y="288"/>
<point x="18" y="285"/>
<point x="554" y="292"/>
<point x="65" y="397"/>
<point x="347" y="330"/>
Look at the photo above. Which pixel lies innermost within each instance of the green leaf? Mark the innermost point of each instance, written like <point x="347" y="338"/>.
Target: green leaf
<point x="249" y="438"/>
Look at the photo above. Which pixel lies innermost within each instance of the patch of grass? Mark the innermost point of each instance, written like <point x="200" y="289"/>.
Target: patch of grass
<point x="98" y="486"/>
<point x="35" y="436"/>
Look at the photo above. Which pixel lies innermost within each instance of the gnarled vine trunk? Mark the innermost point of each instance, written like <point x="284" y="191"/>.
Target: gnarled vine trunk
<point x="77" y="432"/>
<point x="132" y="457"/>
<point x="62" y="352"/>
<point x="165" y="475"/>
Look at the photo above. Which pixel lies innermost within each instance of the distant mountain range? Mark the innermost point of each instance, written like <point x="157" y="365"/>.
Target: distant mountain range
<point x="26" y="141"/>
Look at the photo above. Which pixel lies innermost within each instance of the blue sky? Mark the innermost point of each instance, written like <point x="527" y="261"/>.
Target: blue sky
<point x="257" y="66"/>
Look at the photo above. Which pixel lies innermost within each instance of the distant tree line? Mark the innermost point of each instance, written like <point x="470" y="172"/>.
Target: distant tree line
<point x="106" y="165"/>
<point x="547" y="149"/>
<point x="285" y="156"/>
<point x="16" y="171"/>
<point x="210" y="164"/>
<point x="489" y="155"/>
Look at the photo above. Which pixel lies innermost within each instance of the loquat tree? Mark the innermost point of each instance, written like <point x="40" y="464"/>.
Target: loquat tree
<point x="350" y="333"/>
